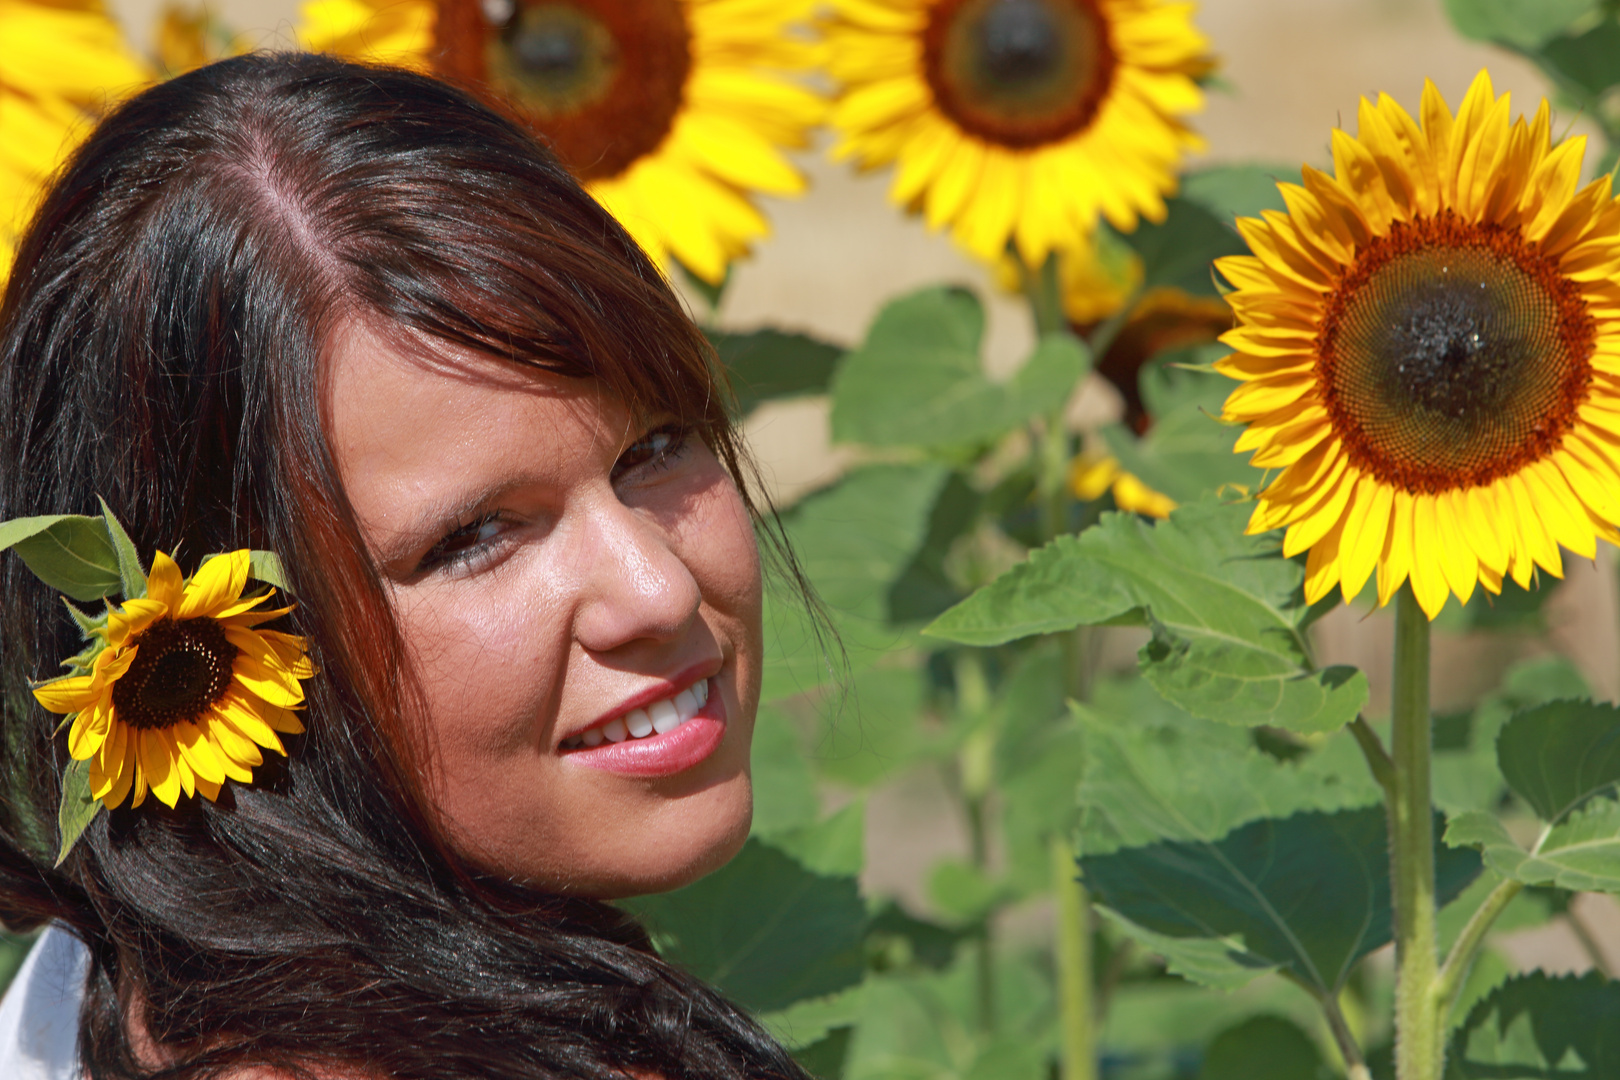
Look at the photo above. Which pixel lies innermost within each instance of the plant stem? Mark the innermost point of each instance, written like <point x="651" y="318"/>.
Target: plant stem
<point x="1355" y="1063"/>
<point x="1452" y="973"/>
<point x="984" y="957"/>
<point x="1073" y="964"/>
<point x="1383" y="769"/>
<point x="1419" y="1031"/>
<point x="1051" y="453"/>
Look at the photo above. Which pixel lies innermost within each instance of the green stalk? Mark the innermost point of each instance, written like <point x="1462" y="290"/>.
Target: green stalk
<point x="1073" y="965"/>
<point x="1076" y="1001"/>
<point x="976" y="764"/>
<point x="1419" y="1028"/>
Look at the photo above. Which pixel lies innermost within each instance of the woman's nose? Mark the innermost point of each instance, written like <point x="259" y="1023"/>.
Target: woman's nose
<point x="634" y="584"/>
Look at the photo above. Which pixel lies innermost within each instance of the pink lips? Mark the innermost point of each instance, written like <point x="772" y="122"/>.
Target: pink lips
<point x="661" y="755"/>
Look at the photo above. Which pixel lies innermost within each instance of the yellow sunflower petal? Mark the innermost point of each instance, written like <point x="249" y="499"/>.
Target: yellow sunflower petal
<point x="215" y="587"/>
<point x="164" y="583"/>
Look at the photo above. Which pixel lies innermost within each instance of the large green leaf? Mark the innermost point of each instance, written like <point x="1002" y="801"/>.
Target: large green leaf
<point x="764" y="929"/>
<point x="1154" y="773"/>
<point x="1225" y="609"/>
<point x="784" y="787"/>
<point x="1582" y="854"/>
<point x="1539" y="1026"/>
<point x="871" y="730"/>
<point x="925" y="1025"/>
<point x="1187" y="453"/>
<point x="78" y="807"/>
<point x="1466" y="774"/>
<point x="1263" y="1047"/>
<point x="68" y="552"/>
<point x="770" y="363"/>
<point x="1584" y="64"/>
<point x="1558" y="755"/>
<point x="1234" y="191"/>
<point x="1177" y="251"/>
<point x="1307" y="894"/>
<point x="1523" y="24"/>
<point x="918" y="381"/>
<point x="853" y="541"/>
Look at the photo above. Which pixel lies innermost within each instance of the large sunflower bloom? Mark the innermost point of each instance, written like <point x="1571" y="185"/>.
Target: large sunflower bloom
<point x="64" y="61"/>
<point x="1429" y="342"/>
<point x="673" y="113"/>
<point x="186" y="691"/>
<point x="1019" y="119"/>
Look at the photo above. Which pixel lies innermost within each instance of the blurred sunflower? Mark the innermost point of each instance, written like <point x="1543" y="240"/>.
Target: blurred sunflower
<point x="673" y="113"/>
<point x="1429" y="345"/>
<point x="65" y="62"/>
<point x="1093" y="475"/>
<point x="1019" y="120"/>
<point x="186" y="691"/>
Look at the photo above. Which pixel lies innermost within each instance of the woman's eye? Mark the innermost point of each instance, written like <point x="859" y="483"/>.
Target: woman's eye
<point x="659" y="448"/>
<point x="466" y="545"/>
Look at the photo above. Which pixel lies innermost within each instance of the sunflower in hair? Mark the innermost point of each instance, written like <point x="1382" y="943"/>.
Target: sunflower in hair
<point x="65" y="60"/>
<point x="187" y="692"/>
<point x="673" y="113"/>
<point x="1019" y="120"/>
<point x="1429" y="345"/>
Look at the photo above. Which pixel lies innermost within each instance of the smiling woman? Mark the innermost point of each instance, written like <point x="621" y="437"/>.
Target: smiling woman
<point x="351" y="316"/>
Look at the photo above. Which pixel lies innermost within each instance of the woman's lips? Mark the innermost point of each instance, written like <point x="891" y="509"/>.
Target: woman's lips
<point x="663" y="754"/>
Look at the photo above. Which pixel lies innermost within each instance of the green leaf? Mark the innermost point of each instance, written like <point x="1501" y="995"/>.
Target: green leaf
<point x="1307" y="894"/>
<point x="917" y="379"/>
<point x="1177" y="251"/>
<point x="872" y="731"/>
<point x="768" y="364"/>
<point x="1224" y="608"/>
<point x="853" y="541"/>
<point x="809" y="1021"/>
<point x="78" y="808"/>
<point x="1581" y="855"/>
<point x="129" y="560"/>
<point x="1154" y="773"/>
<point x="784" y="787"/>
<point x="68" y="552"/>
<point x="964" y="893"/>
<point x="1187" y="453"/>
<point x="1264" y="1047"/>
<point x="1234" y="191"/>
<point x="763" y="929"/>
<point x="1584" y="62"/>
<point x="1540" y="1025"/>
<point x="1522" y="24"/>
<point x="835" y="847"/>
<point x="1558" y="755"/>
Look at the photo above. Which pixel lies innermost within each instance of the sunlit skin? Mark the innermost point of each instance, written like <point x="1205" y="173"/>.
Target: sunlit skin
<point x="550" y="558"/>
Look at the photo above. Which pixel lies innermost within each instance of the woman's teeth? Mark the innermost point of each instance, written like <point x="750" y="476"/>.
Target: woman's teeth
<point x="661" y="717"/>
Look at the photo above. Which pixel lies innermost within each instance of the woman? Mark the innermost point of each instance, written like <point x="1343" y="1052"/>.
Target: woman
<point x="354" y="317"/>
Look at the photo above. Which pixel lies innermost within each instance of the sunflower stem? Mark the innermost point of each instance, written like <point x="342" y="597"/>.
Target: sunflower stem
<point x="1419" y="1029"/>
<point x="1073" y="964"/>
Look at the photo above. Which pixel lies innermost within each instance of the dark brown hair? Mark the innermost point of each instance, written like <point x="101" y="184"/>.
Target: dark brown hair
<point x="160" y="346"/>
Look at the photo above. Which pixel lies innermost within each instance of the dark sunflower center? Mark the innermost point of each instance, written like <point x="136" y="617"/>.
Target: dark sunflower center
<point x="1453" y="355"/>
<point x="601" y="81"/>
<point x="1020" y="73"/>
<point x="180" y="669"/>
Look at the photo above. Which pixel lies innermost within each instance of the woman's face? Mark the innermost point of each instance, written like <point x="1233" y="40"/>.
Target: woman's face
<point x="579" y="593"/>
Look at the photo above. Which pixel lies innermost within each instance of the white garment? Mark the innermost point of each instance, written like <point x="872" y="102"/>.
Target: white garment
<point x="39" y="1018"/>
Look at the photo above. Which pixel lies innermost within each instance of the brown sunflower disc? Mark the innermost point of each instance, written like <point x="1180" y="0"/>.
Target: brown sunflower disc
<point x="1019" y="73"/>
<point x="601" y="82"/>
<point x="1451" y="355"/>
<point x="181" y="668"/>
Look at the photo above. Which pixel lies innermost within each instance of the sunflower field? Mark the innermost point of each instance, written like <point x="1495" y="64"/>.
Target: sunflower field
<point x="1234" y="703"/>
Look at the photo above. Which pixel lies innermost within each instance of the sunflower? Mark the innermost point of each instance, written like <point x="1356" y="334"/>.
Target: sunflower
<point x="186" y="691"/>
<point x="1429" y="345"/>
<point x="673" y="113"/>
<point x="64" y="61"/>
<point x="1090" y="475"/>
<point x="1019" y="119"/>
